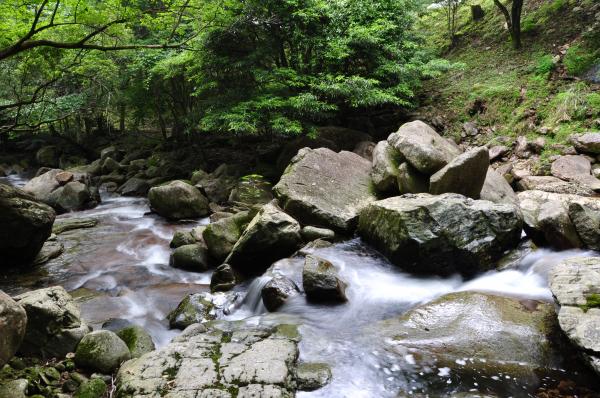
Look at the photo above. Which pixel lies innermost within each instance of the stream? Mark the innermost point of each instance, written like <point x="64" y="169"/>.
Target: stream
<point x="120" y="269"/>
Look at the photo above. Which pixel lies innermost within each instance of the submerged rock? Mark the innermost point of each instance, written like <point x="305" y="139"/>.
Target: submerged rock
<point x="178" y="200"/>
<point x="321" y="282"/>
<point x="562" y="221"/>
<point x="575" y="284"/>
<point x="102" y="351"/>
<point x="276" y="292"/>
<point x="200" y="308"/>
<point x="25" y="224"/>
<point x="476" y="334"/>
<point x="327" y="189"/>
<point x="465" y="174"/>
<point x="270" y="236"/>
<point x="13" y="322"/>
<point x="54" y="324"/>
<point x="69" y="224"/>
<point x="422" y="147"/>
<point x="223" y="279"/>
<point x="441" y="234"/>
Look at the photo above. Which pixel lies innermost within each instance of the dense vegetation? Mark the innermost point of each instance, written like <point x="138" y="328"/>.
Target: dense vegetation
<point x="254" y="67"/>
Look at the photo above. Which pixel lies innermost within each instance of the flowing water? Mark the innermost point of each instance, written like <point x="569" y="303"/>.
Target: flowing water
<point x="120" y="269"/>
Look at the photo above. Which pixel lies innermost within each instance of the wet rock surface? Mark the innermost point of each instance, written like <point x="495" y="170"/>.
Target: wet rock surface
<point x="327" y="189"/>
<point x="219" y="360"/>
<point x="441" y="234"/>
<point x="575" y="284"/>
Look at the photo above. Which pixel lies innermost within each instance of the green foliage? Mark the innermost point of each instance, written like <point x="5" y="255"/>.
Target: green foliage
<point x="592" y="301"/>
<point x="545" y="65"/>
<point x="579" y="59"/>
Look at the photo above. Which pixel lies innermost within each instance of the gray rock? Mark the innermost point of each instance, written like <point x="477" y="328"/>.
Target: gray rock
<point x="270" y="236"/>
<point x="497" y="151"/>
<point x="70" y="224"/>
<point x="192" y="257"/>
<point x="587" y="142"/>
<point x="54" y="324"/>
<point x="422" y="147"/>
<point x="496" y="189"/>
<point x="210" y="360"/>
<point x="223" y="279"/>
<point x="137" y="339"/>
<point x="13" y="322"/>
<point x="410" y="180"/>
<point x="575" y="168"/>
<point x="42" y="186"/>
<point x="178" y="200"/>
<point x="310" y="233"/>
<point x="110" y="152"/>
<point x="324" y="188"/>
<point x="385" y="167"/>
<point x="575" y="284"/>
<point x="218" y="185"/>
<point x="465" y="174"/>
<point x="441" y="234"/>
<point x="134" y="187"/>
<point x="476" y="333"/>
<point x="14" y="389"/>
<point x="25" y="224"/>
<point x="109" y="165"/>
<point x="202" y="307"/>
<point x="102" y="351"/>
<point x="291" y="149"/>
<point x="554" y="185"/>
<point x="72" y="197"/>
<point x="560" y="220"/>
<point x="276" y="292"/>
<point x="321" y="282"/>
<point x="364" y="149"/>
<point x="181" y="238"/>
<point x="312" y="376"/>
<point x="221" y="236"/>
<point x="50" y="250"/>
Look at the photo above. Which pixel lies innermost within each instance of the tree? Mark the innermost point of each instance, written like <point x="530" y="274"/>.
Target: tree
<point x="451" y="8"/>
<point x="513" y="20"/>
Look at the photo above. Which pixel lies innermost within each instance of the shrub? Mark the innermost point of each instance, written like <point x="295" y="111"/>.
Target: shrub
<point x="579" y="59"/>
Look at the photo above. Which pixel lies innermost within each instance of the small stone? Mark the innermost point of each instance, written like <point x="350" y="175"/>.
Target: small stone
<point x="181" y="238"/>
<point x="64" y="177"/>
<point x="321" y="282"/>
<point x="312" y="376"/>
<point x="223" y="279"/>
<point x="276" y="292"/>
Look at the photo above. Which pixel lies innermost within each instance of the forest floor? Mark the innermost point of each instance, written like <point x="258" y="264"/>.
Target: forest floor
<point x="549" y="88"/>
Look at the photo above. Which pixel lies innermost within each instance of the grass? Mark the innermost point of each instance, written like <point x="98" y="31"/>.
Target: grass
<point x="592" y="301"/>
<point x="532" y="92"/>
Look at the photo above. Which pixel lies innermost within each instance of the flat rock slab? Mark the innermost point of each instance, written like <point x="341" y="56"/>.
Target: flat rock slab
<point x="575" y="168"/>
<point x="219" y="359"/>
<point x="575" y="284"/>
<point x="327" y="189"/>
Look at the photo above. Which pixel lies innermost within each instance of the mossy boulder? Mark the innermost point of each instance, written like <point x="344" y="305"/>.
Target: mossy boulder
<point x="101" y="351"/>
<point x="442" y="234"/>
<point x="94" y="388"/>
<point x="252" y="190"/>
<point x="221" y="236"/>
<point x="182" y="238"/>
<point x="178" y="200"/>
<point x="192" y="257"/>
<point x="137" y="340"/>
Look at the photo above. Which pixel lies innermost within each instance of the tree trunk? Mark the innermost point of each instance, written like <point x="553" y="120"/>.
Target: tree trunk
<point x="517" y="7"/>
<point x="122" y="118"/>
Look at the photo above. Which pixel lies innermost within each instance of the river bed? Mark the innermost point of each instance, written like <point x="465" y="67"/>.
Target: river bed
<point x="120" y="269"/>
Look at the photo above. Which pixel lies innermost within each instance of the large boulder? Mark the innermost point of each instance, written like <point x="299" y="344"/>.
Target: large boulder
<point x="575" y="168"/>
<point x="385" y="167"/>
<point x="13" y="322"/>
<point x="42" y="185"/>
<point x="71" y="197"/>
<point x="211" y="360"/>
<point x="496" y="189"/>
<point x="476" y="334"/>
<point x="25" y="224"/>
<point x="291" y="149"/>
<point x="78" y="193"/>
<point x="587" y="142"/>
<point x="101" y="351"/>
<point x="54" y="324"/>
<point x="321" y="281"/>
<point x="218" y="185"/>
<point x="575" y="284"/>
<point x="221" y="236"/>
<point x="422" y="147"/>
<point x="441" y="234"/>
<point x="561" y="220"/>
<point x="270" y="236"/>
<point x="324" y="188"/>
<point x="465" y="174"/>
<point x="178" y="200"/>
<point x="252" y="190"/>
<point x="134" y="187"/>
<point x="137" y="339"/>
